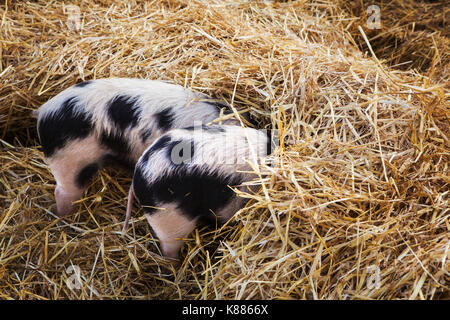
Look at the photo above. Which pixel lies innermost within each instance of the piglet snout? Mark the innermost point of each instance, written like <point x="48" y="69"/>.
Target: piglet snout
<point x="64" y="201"/>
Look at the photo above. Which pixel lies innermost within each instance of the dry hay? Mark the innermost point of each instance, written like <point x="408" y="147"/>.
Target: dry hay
<point x="355" y="205"/>
<point x="413" y="34"/>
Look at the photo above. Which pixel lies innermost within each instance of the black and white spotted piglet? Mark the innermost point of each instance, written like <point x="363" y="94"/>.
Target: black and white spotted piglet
<point x="89" y="124"/>
<point x="184" y="177"/>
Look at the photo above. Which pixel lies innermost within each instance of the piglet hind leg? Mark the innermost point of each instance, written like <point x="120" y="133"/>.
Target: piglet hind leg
<point x="171" y="226"/>
<point x="129" y="208"/>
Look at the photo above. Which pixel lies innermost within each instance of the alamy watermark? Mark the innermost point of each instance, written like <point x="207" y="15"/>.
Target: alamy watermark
<point x="73" y="13"/>
<point x="74" y="280"/>
<point x="373" y="277"/>
<point x="373" y="17"/>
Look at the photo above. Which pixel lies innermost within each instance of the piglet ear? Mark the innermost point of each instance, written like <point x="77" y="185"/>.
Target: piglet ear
<point x="35" y="114"/>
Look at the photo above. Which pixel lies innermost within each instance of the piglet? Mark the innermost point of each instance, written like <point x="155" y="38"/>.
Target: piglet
<point x="111" y="121"/>
<point x="185" y="176"/>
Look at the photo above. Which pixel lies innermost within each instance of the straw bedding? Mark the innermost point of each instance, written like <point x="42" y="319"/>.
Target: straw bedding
<point x="354" y="205"/>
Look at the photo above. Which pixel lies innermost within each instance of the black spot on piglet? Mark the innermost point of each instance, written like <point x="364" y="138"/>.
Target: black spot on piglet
<point x="66" y="123"/>
<point x="117" y="160"/>
<point x="165" y="119"/>
<point x="124" y="111"/>
<point x="160" y="143"/>
<point x="86" y="174"/>
<point x="145" y="134"/>
<point x="115" y="141"/>
<point x="82" y="84"/>
<point x="120" y="149"/>
<point x="196" y="192"/>
<point x="140" y="188"/>
<point x="210" y="128"/>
